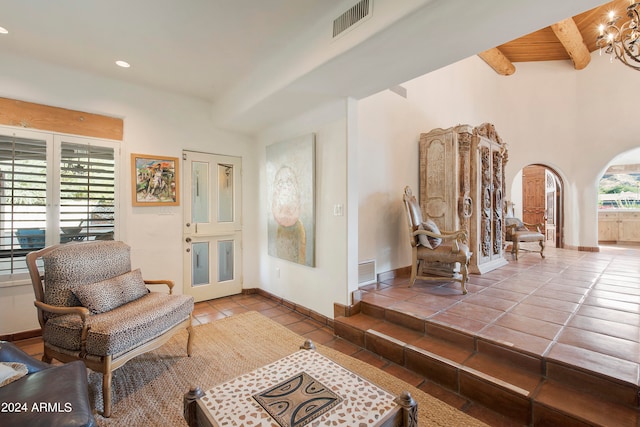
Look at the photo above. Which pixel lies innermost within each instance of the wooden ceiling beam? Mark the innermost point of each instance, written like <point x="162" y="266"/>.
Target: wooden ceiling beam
<point x="569" y="35"/>
<point x="496" y="60"/>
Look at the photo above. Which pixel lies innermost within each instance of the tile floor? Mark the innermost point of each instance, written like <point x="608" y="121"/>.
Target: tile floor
<point x="578" y="308"/>
<point x="572" y="305"/>
<point x="209" y="311"/>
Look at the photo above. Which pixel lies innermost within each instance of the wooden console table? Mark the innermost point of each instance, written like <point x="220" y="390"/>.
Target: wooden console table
<point x="304" y="388"/>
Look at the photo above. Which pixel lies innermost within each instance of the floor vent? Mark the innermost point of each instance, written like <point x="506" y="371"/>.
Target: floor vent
<point x="359" y="11"/>
<point x="366" y="272"/>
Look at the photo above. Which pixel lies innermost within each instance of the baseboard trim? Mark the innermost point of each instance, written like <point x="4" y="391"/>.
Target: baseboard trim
<point x="21" y="335"/>
<point x="582" y="248"/>
<point x="392" y="274"/>
<point x="292" y="306"/>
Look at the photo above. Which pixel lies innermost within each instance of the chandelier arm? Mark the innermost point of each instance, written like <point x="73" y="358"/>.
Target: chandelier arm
<point x="623" y="41"/>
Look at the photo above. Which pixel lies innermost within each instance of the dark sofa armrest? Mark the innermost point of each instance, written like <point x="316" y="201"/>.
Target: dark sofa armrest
<point x="63" y="386"/>
<point x="9" y="352"/>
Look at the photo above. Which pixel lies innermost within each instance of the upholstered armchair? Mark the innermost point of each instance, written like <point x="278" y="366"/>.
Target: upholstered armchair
<point x="519" y="232"/>
<point x="92" y="307"/>
<point x="431" y="247"/>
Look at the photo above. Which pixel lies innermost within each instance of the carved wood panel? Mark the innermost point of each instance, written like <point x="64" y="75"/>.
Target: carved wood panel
<point x="462" y="187"/>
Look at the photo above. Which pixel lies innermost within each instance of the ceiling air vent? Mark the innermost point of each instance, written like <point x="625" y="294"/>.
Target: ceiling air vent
<point x="352" y="16"/>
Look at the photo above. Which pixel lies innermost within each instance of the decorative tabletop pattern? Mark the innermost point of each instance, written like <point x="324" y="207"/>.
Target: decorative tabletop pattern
<point x="297" y="400"/>
<point x="363" y="403"/>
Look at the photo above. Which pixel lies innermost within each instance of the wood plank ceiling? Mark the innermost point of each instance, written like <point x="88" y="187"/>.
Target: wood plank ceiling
<point x="571" y="39"/>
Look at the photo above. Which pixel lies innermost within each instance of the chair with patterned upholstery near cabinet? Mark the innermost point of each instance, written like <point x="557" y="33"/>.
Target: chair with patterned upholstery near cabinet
<point x="519" y="232"/>
<point x="430" y="246"/>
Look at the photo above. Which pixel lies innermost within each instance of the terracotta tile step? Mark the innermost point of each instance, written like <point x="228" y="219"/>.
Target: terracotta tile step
<point x="447" y="363"/>
<point x="556" y="403"/>
<point x="615" y="380"/>
<point x="496" y="376"/>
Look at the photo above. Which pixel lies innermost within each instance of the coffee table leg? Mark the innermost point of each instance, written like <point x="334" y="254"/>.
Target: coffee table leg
<point x="409" y="409"/>
<point x="308" y="345"/>
<point x="190" y="402"/>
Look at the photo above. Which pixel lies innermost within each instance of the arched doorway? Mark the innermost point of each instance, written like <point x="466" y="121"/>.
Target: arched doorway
<point x="540" y="190"/>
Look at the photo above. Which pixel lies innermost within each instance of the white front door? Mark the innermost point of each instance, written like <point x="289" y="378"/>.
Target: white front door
<point x="213" y="225"/>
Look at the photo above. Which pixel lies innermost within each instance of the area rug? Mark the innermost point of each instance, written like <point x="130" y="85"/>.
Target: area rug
<point x="148" y="390"/>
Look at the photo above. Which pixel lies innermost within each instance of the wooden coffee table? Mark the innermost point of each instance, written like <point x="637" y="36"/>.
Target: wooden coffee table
<point x="304" y="388"/>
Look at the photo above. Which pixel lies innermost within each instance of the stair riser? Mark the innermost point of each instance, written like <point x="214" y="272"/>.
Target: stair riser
<point x="544" y="416"/>
<point x="620" y="393"/>
<point x="494" y="397"/>
<point x="389" y="349"/>
<point x="349" y="333"/>
<point x="438" y="371"/>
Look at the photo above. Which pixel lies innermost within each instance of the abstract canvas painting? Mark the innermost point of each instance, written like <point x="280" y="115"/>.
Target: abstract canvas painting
<point x="291" y="199"/>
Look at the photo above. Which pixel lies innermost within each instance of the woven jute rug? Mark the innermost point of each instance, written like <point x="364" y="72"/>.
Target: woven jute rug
<point x="148" y="390"/>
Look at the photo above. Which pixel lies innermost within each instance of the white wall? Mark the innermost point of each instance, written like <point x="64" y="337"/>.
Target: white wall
<point x="155" y="122"/>
<point x="548" y="113"/>
<point x="389" y="130"/>
<point x="319" y="287"/>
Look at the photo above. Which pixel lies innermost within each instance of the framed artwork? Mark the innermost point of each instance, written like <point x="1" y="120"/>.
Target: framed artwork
<point x="291" y="198"/>
<point x="155" y="180"/>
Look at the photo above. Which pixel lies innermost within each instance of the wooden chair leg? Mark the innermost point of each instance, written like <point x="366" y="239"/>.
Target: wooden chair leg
<point x="414" y="271"/>
<point x="191" y="332"/>
<point x="465" y="276"/>
<point x="106" y="387"/>
<point x="542" y="248"/>
<point x="515" y="246"/>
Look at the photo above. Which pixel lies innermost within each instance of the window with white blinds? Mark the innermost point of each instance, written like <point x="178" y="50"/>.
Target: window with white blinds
<point x="87" y="192"/>
<point x="23" y="200"/>
<point x="53" y="189"/>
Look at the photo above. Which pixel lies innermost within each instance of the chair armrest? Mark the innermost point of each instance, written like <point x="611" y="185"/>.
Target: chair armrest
<point x="458" y="236"/>
<point x="169" y="284"/>
<point x="511" y="227"/>
<point x="83" y="312"/>
<point x="538" y="226"/>
<point x="446" y="235"/>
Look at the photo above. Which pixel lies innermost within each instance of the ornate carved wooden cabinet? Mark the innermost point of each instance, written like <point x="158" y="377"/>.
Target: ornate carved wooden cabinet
<point x="462" y="187"/>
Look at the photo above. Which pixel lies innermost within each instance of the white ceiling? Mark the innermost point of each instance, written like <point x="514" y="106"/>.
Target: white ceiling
<point x="258" y="61"/>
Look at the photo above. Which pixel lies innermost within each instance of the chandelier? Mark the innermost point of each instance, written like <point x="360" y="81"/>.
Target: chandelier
<point x="622" y="41"/>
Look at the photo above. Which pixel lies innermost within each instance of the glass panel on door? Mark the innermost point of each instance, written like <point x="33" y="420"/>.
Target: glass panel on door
<point x="225" y="260"/>
<point x="200" y="263"/>
<point x="199" y="192"/>
<point x="225" y="193"/>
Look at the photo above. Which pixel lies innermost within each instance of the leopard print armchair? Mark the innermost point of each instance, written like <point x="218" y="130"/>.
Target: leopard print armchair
<point x="92" y="307"/>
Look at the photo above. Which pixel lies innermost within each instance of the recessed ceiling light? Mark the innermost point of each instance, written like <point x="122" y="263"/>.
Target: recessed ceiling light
<point x="123" y="64"/>
<point x="4" y="30"/>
